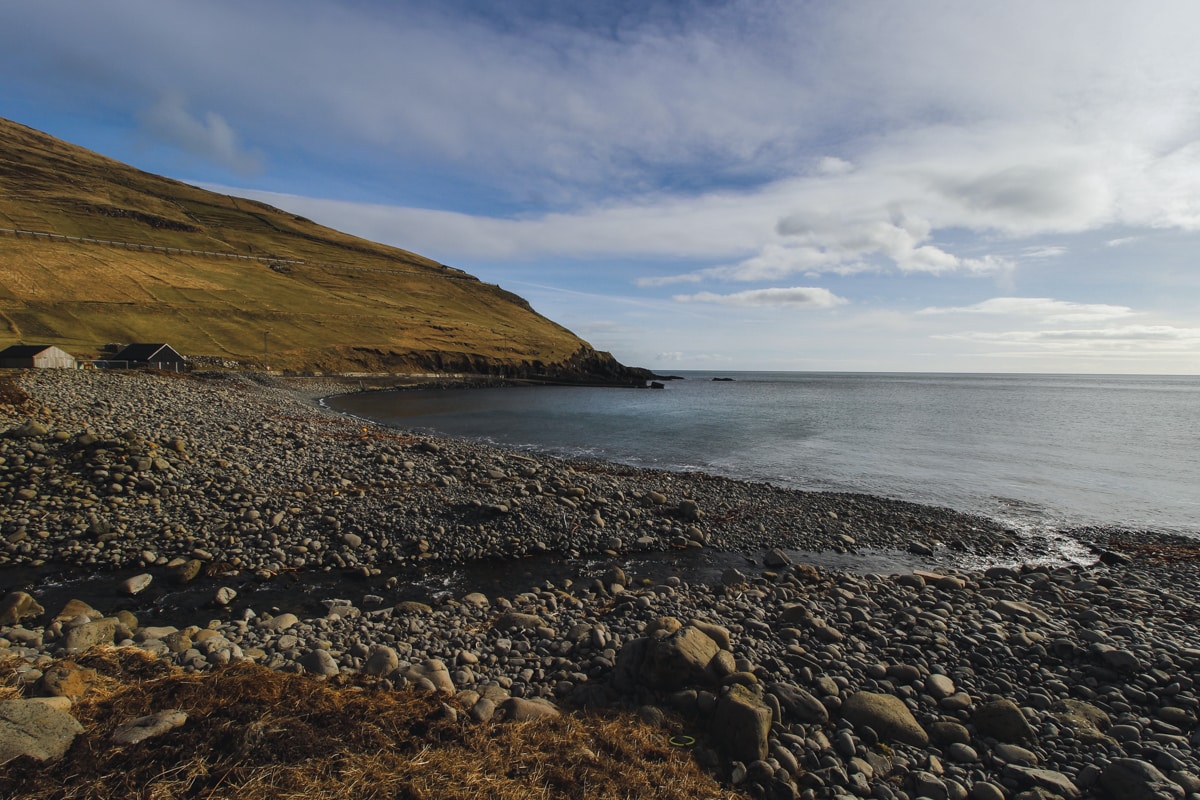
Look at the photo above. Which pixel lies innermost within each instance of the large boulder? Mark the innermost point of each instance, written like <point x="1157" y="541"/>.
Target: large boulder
<point x="741" y="726"/>
<point x="382" y="661"/>
<point x="1085" y="720"/>
<point x="627" y="674"/>
<point x="319" y="662"/>
<point x="36" y="729"/>
<point x="281" y="622"/>
<point x="136" y="584"/>
<point x="17" y="606"/>
<point x="90" y="634"/>
<point x="799" y="704"/>
<point x="718" y="633"/>
<point x="887" y="715"/>
<point x="1015" y="609"/>
<point x="520" y="709"/>
<point x="1055" y="783"/>
<point x="439" y="675"/>
<point x="516" y="621"/>
<point x="1132" y="779"/>
<point x="74" y="609"/>
<point x="29" y="429"/>
<point x="679" y="660"/>
<point x="147" y="727"/>
<point x="188" y="571"/>
<point x="1002" y="720"/>
<point x="67" y="679"/>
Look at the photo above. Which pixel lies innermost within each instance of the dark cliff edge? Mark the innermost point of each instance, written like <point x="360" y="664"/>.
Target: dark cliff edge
<point x="585" y="367"/>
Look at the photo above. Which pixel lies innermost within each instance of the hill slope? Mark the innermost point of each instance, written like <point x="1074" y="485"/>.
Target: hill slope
<point x="235" y="279"/>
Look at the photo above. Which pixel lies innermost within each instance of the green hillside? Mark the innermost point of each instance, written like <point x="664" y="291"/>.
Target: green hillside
<point x="235" y="279"/>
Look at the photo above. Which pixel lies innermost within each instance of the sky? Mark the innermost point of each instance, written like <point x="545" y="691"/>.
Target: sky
<point x="918" y="185"/>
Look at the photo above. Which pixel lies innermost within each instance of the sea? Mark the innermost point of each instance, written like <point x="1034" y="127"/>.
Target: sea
<point x="1036" y="452"/>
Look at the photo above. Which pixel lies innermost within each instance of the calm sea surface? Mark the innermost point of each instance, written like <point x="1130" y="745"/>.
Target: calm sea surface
<point x="1035" y="451"/>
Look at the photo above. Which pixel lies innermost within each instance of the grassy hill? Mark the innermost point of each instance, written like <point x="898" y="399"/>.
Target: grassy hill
<point x="235" y="279"/>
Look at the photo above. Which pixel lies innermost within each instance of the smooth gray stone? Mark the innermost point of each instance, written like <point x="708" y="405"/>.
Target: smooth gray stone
<point x="1132" y="779"/>
<point x="90" y="634"/>
<point x="741" y="725"/>
<point x="887" y="715"/>
<point x="986" y="790"/>
<point x="1013" y="754"/>
<point x="1002" y="720"/>
<point x="36" y="729"/>
<point x="382" y="661"/>
<point x="17" y="606"/>
<point x="519" y="709"/>
<point x="149" y="726"/>
<point x="962" y="753"/>
<point x="1048" y="779"/>
<point x="319" y="662"/>
<point x="136" y="584"/>
<point x="679" y="660"/>
<point x="800" y="704"/>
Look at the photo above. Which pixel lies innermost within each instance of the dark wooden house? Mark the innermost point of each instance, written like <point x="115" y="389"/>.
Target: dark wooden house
<point x="151" y="356"/>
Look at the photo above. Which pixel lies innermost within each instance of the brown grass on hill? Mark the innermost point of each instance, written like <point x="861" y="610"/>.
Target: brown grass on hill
<point x="255" y="734"/>
<point x="135" y="270"/>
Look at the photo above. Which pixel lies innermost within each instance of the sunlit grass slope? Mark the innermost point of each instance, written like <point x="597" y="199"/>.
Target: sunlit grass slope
<point x="350" y="304"/>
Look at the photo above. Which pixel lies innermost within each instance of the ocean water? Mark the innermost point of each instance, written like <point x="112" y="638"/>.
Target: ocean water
<point x="1036" y="451"/>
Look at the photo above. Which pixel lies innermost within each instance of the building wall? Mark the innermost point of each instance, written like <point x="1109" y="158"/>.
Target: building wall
<point x="53" y="358"/>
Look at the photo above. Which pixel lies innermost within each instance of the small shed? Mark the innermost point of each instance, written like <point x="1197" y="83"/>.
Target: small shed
<point x="153" y="356"/>
<point x="36" y="356"/>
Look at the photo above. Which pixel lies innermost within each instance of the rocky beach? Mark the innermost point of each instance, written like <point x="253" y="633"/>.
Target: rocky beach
<point x="997" y="669"/>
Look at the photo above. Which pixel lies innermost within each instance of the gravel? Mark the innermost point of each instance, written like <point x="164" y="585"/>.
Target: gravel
<point x="1022" y="678"/>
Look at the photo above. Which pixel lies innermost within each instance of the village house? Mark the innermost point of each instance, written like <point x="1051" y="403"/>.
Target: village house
<point x="153" y="356"/>
<point x="36" y="356"/>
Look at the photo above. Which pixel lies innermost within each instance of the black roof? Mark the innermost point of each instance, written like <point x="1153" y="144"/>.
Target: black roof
<point x="23" y="350"/>
<point x="142" y="352"/>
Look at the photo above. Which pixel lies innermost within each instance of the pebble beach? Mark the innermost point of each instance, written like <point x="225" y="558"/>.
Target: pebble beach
<point x="1008" y="666"/>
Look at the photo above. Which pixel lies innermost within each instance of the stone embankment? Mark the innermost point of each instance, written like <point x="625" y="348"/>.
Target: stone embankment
<point x="1011" y="681"/>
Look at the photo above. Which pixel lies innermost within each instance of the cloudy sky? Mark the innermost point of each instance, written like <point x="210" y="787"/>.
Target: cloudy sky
<point x="920" y="185"/>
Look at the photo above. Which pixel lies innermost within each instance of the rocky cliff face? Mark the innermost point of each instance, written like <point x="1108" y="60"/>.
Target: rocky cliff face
<point x="584" y="367"/>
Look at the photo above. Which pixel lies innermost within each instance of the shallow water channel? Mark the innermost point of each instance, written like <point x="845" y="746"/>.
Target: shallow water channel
<point x="166" y="602"/>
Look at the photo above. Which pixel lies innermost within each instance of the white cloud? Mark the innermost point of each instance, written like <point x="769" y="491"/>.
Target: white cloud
<point x="1094" y="123"/>
<point x="832" y="165"/>
<point x="720" y="224"/>
<point x="211" y="138"/>
<point x="793" y="297"/>
<point x="1045" y="308"/>
<point x="1113" y="341"/>
<point x="747" y="141"/>
<point x="749" y="88"/>
<point x="676" y="356"/>
<point x="1044" y="251"/>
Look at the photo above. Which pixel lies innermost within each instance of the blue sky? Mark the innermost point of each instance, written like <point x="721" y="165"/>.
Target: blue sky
<point x="918" y="185"/>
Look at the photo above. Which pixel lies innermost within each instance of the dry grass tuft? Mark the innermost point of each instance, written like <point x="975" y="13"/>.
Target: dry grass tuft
<point x="11" y="393"/>
<point x="254" y="734"/>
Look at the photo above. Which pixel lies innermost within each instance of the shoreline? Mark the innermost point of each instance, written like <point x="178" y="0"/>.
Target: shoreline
<point x="249" y="475"/>
<point x="356" y="459"/>
<point x="1080" y="488"/>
